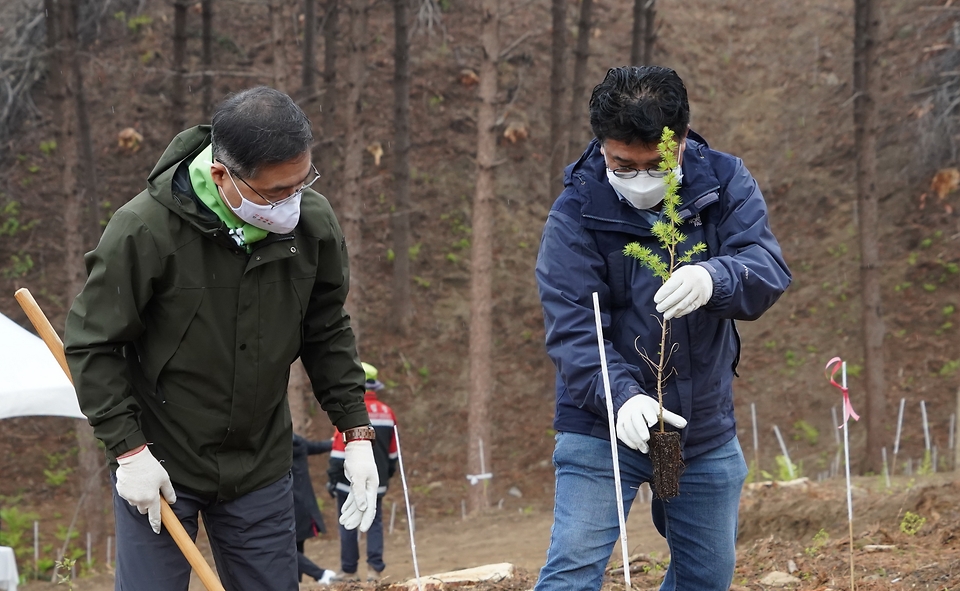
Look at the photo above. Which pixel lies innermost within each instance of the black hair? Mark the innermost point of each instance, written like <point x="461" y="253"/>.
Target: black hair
<point x="635" y="103"/>
<point x="258" y="127"/>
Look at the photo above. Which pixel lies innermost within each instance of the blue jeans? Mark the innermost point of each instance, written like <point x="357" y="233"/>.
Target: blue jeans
<point x="349" y="542"/>
<point x="700" y="525"/>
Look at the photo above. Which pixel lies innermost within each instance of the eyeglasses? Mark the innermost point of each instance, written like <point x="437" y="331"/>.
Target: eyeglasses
<point x="271" y="202"/>
<point x="629" y="173"/>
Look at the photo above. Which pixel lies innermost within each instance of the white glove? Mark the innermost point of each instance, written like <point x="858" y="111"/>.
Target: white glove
<point x="140" y="481"/>
<point x="636" y="415"/>
<point x="688" y="288"/>
<point x="361" y="470"/>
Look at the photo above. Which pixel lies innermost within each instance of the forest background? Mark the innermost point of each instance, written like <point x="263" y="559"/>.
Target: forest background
<point x="442" y="196"/>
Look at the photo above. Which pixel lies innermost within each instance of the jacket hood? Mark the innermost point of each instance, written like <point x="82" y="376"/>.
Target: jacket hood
<point x="176" y="194"/>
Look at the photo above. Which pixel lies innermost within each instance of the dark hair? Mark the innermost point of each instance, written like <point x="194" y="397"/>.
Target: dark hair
<point x="258" y="127"/>
<point x="635" y="103"/>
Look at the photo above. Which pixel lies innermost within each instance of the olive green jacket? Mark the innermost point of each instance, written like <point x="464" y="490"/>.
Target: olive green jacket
<point x="183" y="339"/>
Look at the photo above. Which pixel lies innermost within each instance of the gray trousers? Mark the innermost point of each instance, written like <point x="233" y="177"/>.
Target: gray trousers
<point x="253" y="541"/>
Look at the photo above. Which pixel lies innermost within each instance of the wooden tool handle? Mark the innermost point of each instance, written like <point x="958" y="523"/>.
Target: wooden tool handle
<point x="167" y="516"/>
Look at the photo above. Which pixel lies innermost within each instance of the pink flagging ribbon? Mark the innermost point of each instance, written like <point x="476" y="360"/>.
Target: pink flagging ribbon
<point x="848" y="411"/>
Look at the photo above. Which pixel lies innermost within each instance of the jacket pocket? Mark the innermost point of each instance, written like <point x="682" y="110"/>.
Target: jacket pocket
<point x="168" y="318"/>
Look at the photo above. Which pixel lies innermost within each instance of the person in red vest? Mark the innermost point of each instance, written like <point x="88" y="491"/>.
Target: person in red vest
<point x="385" y="453"/>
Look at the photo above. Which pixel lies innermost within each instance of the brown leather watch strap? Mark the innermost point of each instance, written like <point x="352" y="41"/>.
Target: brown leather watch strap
<point x="366" y="433"/>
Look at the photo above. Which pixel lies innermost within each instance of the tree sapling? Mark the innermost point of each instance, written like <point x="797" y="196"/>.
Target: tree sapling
<point x="665" y="452"/>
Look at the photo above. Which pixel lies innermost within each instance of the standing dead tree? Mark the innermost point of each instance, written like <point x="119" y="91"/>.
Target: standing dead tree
<point x="351" y="204"/>
<point x="309" y="68"/>
<point x="206" y="59"/>
<point x="558" y="85"/>
<point x="277" y="42"/>
<point x="400" y="222"/>
<point x="581" y="55"/>
<point x="178" y="99"/>
<point x="865" y="40"/>
<point x="481" y="259"/>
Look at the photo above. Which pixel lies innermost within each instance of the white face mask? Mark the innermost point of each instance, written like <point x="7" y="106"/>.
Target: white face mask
<point x="642" y="191"/>
<point x="279" y="219"/>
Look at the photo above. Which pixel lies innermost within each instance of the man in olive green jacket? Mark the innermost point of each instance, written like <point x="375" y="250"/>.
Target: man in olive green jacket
<point x="202" y="291"/>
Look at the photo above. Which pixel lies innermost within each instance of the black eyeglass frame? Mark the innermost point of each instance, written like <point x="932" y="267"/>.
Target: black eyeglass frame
<point x="629" y="173"/>
<point x="274" y="204"/>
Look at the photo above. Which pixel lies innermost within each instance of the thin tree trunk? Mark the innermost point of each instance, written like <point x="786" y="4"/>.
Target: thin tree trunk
<point x="309" y="81"/>
<point x="327" y="147"/>
<point x="636" y="35"/>
<point x="481" y="261"/>
<point x="402" y="304"/>
<point x="88" y="180"/>
<point x="276" y="40"/>
<point x="54" y="72"/>
<point x="206" y="15"/>
<point x="650" y="26"/>
<point x="178" y="93"/>
<point x="581" y="55"/>
<point x="865" y="137"/>
<point x="351" y="204"/>
<point x="71" y="145"/>
<point x="558" y="86"/>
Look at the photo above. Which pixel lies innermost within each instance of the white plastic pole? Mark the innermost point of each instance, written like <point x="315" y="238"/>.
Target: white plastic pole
<point x="886" y="469"/>
<point x="896" y="441"/>
<point x="406" y="500"/>
<point x="756" y="443"/>
<point x="846" y="457"/>
<point x="393" y="515"/>
<point x="786" y="454"/>
<point x="613" y="442"/>
<point x="836" y="421"/>
<point x="109" y="555"/>
<point x="926" y="426"/>
<point x="89" y="544"/>
<point x="36" y="549"/>
<point x="953" y="425"/>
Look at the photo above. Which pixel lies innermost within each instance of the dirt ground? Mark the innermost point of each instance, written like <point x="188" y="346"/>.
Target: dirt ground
<point x="906" y="536"/>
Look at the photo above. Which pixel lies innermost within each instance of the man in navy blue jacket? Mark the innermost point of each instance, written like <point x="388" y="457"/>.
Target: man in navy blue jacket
<point x="612" y="196"/>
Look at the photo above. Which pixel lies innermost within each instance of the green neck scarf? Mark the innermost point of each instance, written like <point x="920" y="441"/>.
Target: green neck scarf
<point x="206" y="190"/>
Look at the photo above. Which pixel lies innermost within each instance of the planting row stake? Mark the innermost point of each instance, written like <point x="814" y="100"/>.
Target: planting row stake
<point x="786" y="454"/>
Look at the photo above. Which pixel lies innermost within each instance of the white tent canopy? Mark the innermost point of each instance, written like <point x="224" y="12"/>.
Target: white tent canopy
<point x="31" y="381"/>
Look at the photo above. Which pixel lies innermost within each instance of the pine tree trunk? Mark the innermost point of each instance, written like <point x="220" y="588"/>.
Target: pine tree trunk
<point x="481" y="261"/>
<point x="865" y="137"/>
<point x="276" y="41"/>
<point x="351" y="203"/>
<point x="558" y="87"/>
<point x="178" y="90"/>
<point x="206" y="12"/>
<point x="71" y="145"/>
<point x="326" y="147"/>
<point x="400" y="226"/>
<point x="577" y="103"/>
<point x="650" y="28"/>
<point x="309" y="81"/>
<point x="637" y="33"/>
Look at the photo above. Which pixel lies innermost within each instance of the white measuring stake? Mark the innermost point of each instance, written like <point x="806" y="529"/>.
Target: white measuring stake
<point x="109" y="543"/>
<point x="846" y="457"/>
<point x="756" y="442"/>
<point x="786" y="454"/>
<point x="836" y="432"/>
<point x="393" y="515"/>
<point x="896" y="441"/>
<point x="613" y="441"/>
<point x="886" y="469"/>
<point x="926" y="426"/>
<point x="36" y="549"/>
<point x="89" y="544"/>
<point x="406" y="500"/>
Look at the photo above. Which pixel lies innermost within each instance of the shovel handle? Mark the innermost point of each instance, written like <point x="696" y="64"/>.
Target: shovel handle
<point x="167" y="516"/>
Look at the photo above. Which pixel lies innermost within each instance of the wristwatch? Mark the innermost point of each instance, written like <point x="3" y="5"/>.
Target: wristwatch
<point x="366" y="433"/>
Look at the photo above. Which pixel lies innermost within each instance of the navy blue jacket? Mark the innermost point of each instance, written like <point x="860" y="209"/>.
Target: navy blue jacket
<point x="581" y="252"/>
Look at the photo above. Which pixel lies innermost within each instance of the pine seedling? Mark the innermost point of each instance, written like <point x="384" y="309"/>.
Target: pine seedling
<point x="667" y="463"/>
